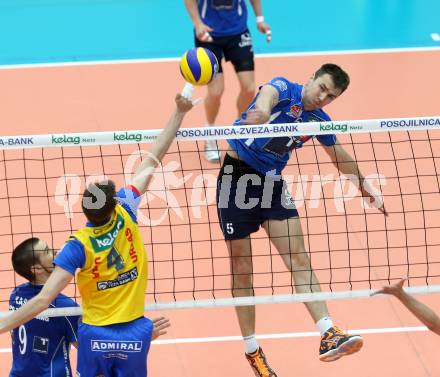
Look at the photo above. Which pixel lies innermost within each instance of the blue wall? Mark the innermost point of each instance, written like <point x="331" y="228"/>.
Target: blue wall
<point x="40" y="31"/>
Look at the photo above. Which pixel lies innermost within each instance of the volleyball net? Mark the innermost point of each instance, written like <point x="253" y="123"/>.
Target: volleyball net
<point x="353" y="247"/>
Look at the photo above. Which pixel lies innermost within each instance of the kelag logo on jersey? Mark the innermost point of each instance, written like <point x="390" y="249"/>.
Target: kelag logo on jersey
<point x="106" y="240"/>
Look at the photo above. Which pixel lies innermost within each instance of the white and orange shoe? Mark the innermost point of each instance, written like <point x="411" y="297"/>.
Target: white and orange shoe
<point x="259" y="364"/>
<point x="335" y="343"/>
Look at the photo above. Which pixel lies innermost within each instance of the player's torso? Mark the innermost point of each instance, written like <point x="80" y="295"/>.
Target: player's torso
<point x="39" y="346"/>
<point x="273" y="153"/>
<point x="113" y="280"/>
<point x="226" y="17"/>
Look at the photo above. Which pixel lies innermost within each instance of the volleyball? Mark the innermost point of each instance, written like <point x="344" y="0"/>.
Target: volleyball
<point x="198" y="66"/>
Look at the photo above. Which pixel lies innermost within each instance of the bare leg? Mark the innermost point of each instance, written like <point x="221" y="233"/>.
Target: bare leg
<point x="247" y="90"/>
<point x="213" y="98"/>
<point x="212" y="106"/>
<point x="287" y="237"/>
<point x="241" y="270"/>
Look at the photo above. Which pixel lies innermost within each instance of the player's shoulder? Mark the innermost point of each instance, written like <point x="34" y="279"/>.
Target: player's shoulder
<point x="72" y="244"/>
<point x="23" y="289"/>
<point x="281" y="83"/>
<point x="319" y="115"/>
<point x="18" y="290"/>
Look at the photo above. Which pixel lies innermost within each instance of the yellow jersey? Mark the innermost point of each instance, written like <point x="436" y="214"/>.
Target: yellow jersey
<point x="113" y="279"/>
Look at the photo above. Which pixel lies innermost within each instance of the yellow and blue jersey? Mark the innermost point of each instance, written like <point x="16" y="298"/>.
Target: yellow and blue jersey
<point x="113" y="272"/>
<point x="270" y="155"/>
<point x="226" y="17"/>
<point x="41" y="346"/>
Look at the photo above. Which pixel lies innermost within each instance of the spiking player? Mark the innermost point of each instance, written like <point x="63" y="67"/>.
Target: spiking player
<point x="251" y="171"/>
<point x="114" y="337"/>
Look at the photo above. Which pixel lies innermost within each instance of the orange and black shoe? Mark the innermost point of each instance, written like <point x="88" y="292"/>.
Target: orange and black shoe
<point x="259" y="364"/>
<point x="335" y="343"/>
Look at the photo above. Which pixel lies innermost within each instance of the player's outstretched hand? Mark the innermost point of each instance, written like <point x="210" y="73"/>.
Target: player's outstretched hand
<point x="183" y="104"/>
<point x="394" y="289"/>
<point x="159" y="326"/>
<point x="256" y="116"/>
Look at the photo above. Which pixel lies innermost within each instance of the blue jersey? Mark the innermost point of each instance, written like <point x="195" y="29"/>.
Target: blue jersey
<point x="226" y="17"/>
<point x="270" y="155"/>
<point x="40" y="347"/>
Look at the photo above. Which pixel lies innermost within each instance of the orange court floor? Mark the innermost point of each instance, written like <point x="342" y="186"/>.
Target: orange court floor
<point x="205" y="342"/>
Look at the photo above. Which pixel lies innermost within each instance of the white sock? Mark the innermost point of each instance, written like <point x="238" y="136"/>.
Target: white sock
<point x="251" y="344"/>
<point x="324" y="324"/>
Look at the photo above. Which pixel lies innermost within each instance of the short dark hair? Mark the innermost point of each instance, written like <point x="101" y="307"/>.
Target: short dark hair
<point x="24" y="256"/>
<point x="339" y="76"/>
<point x="99" y="201"/>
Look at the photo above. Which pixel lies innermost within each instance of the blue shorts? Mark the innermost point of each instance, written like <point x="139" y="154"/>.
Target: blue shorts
<point x="118" y="350"/>
<point x="237" y="49"/>
<point x="246" y="198"/>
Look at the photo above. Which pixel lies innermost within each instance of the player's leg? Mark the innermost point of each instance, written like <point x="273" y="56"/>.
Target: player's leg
<point x="287" y="237"/>
<point x="212" y="105"/>
<point x="247" y="90"/>
<point x="214" y="94"/>
<point x="90" y="360"/>
<point x="237" y="223"/>
<point x="137" y="335"/>
<point x="240" y="253"/>
<point x="239" y="51"/>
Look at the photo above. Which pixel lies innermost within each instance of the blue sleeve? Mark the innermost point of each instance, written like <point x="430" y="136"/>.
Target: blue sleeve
<point x="282" y="86"/>
<point x="71" y="256"/>
<point x="129" y="198"/>
<point x="327" y="140"/>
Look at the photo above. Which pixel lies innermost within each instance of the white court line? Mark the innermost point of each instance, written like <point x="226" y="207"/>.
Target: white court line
<point x="175" y="59"/>
<point x="386" y="330"/>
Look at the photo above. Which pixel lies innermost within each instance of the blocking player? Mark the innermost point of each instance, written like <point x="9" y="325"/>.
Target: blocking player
<point x="114" y="337"/>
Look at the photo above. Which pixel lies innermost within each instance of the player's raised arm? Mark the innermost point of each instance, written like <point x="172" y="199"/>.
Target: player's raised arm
<point x="266" y="100"/>
<point x="426" y="315"/>
<point x="142" y="175"/>
<point x="349" y="167"/>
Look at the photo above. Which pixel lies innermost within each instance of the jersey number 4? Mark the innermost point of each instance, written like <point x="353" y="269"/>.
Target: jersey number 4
<point x="115" y="259"/>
